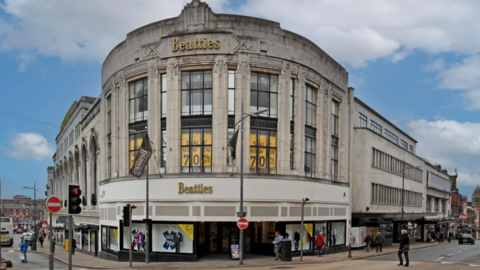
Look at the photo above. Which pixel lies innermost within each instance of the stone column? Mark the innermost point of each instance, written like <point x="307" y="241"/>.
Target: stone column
<point x="320" y="161"/>
<point x="174" y="111"/>
<point x="154" y="112"/>
<point x="299" y="131"/>
<point x="242" y="92"/>
<point x="123" y="137"/>
<point x="327" y="129"/>
<point x="220" y="115"/>
<point x="283" y="134"/>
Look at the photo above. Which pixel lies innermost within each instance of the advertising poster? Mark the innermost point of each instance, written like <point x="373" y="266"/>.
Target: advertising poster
<point x="234" y="252"/>
<point x="357" y="235"/>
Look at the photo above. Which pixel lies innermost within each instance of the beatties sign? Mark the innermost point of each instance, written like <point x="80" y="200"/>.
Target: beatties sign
<point x="197" y="189"/>
<point x="196" y="44"/>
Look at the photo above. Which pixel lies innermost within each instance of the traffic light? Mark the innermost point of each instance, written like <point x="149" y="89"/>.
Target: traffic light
<point x="126" y="215"/>
<point x="74" y="199"/>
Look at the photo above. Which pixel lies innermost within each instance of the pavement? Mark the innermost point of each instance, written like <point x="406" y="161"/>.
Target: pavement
<point x="90" y="262"/>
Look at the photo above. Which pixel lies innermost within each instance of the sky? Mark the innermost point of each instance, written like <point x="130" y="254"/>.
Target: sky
<point x="417" y="62"/>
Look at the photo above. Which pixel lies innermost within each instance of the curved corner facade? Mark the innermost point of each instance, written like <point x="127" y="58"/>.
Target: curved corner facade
<point x="183" y="81"/>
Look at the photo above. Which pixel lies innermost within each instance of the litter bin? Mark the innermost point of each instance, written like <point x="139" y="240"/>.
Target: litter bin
<point x="286" y="250"/>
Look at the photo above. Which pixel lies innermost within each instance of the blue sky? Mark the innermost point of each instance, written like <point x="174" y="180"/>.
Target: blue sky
<point x="416" y="63"/>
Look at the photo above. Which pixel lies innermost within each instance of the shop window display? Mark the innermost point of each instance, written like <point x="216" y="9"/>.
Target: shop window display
<point x="137" y="234"/>
<point x="293" y="232"/>
<point x="337" y="233"/>
<point x="173" y="238"/>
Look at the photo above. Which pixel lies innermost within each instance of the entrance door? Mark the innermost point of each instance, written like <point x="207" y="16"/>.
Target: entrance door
<point x="222" y="235"/>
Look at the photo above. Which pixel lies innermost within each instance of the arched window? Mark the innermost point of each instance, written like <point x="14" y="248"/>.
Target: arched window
<point x="84" y="162"/>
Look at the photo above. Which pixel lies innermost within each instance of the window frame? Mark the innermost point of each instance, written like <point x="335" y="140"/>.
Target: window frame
<point x="377" y="128"/>
<point x="268" y="148"/>
<point x="362" y="120"/>
<point x="164" y="103"/>
<point x="203" y="146"/>
<point x="231" y="92"/>
<point x="312" y="154"/>
<point x="391" y="136"/>
<point x="189" y="92"/>
<point x="311" y="106"/>
<point x="335" y="118"/>
<point x="256" y="91"/>
<point x="142" y="98"/>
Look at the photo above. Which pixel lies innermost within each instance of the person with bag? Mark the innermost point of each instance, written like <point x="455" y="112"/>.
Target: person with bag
<point x="379" y="240"/>
<point x="368" y="240"/>
<point x="404" y="248"/>
<point x="23" y="251"/>
<point x="74" y="246"/>
<point x="41" y="239"/>
<point x="320" y="242"/>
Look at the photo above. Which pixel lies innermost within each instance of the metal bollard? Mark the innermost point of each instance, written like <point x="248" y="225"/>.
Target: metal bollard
<point x="349" y="250"/>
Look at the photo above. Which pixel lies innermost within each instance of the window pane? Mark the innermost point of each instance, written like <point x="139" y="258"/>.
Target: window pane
<point x="185" y="103"/>
<point x="139" y="88"/>
<point x="273" y="83"/>
<point x="263" y="82"/>
<point x="253" y="81"/>
<point x="197" y="80"/>
<point x="207" y="79"/>
<point x="207" y="96"/>
<point x="272" y="158"/>
<point x="197" y="105"/>
<point x="164" y="104"/>
<point x="132" y="90"/>
<point x="273" y="106"/>
<point x="185" y="80"/>
<point x="231" y="101"/>
<point x="231" y="79"/>
<point x="253" y="101"/>
<point x="132" y="110"/>
<point x="196" y="156"/>
<point x="263" y="102"/>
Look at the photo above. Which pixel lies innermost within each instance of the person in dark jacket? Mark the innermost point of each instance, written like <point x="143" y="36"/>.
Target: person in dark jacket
<point x="404" y="248"/>
<point x="368" y="241"/>
<point x="379" y="240"/>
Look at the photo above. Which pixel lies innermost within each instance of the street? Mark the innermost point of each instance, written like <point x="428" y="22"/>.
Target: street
<point x="445" y="254"/>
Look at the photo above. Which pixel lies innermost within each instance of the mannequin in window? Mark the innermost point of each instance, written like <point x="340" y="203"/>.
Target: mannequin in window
<point x="296" y="238"/>
<point x="178" y="241"/>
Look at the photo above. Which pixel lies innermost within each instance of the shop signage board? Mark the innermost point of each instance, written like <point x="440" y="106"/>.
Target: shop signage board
<point x="235" y="254"/>
<point x="462" y="216"/>
<point x="242" y="223"/>
<point x="53" y="204"/>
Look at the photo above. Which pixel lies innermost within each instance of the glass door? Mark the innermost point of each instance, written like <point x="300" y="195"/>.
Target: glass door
<point x="213" y="237"/>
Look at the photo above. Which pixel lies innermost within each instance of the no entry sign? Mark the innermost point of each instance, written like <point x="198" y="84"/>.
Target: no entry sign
<point x="242" y="223"/>
<point x="53" y="204"/>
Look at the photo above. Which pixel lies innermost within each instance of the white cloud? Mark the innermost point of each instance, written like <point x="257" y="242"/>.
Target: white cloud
<point x="452" y="144"/>
<point x="30" y="146"/>
<point x="436" y="65"/>
<point x="464" y="76"/>
<point x="25" y="59"/>
<point x="355" y="32"/>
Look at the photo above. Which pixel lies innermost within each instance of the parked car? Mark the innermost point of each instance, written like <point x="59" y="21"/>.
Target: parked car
<point x="19" y="231"/>
<point x="466" y="238"/>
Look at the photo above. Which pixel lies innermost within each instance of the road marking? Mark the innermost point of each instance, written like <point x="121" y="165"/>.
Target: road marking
<point x="439" y="259"/>
<point x="450" y="255"/>
<point x="14" y="250"/>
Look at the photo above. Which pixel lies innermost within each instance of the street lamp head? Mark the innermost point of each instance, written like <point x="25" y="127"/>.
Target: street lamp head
<point x="259" y="112"/>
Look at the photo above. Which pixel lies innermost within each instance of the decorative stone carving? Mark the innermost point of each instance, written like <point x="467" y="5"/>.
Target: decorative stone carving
<point x="286" y="72"/>
<point x="152" y="67"/>
<point x="219" y="65"/>
<point x="244" y="65"/>
<point x="172" y="68"/>
<point x="196" y="13"/>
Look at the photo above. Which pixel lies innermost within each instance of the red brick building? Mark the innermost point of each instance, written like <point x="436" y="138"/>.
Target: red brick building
<point x="21" y="209"/>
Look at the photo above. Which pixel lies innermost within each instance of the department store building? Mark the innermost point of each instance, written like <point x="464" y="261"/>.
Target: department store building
<point x="183" y="81"/>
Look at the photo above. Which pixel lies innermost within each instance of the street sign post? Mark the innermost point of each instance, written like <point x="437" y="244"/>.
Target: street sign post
<point x="242" y="223"/>
<point x="53" y="204"/>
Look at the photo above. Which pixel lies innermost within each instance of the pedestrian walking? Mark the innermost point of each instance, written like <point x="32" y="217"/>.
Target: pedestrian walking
<point x="320" y="242"/>
<point x="404" y="248"/>
<point x="52" y="247"/>
<point x="379" y="240"/>
<point x="23" y="251"/>
<point x="74" y="246"/>
<point x="368" y="241"/>
<point x="450" y="237"/>
<point x="441" y="238"/>
<point x="276" y="242"/>
<point x="41" y="239"/>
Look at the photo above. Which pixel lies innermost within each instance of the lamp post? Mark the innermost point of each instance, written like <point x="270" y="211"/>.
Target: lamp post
<point x="242" y="214"/>
<point x="147" y="220"/>
<point x="304" y="200"/>
<point x="403" y="186"/>
<point x="34" y="247"/>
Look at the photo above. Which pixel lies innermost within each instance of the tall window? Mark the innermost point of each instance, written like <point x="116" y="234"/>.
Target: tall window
<point x="231" y="92"/>
<point x="196" y="93"/>
<point x="230" y="133"/>
<point x="264" y="94"/>
<point x="164" y="149"/>
<point x="391" y="137"/>
<point x="334" y="159"/>
<point x="362" y="120"/>
<point x="375" y="127"/>
<point x="263" y="151"/>
<point x="109" y="136"/>
<point x="196" y="150"/>
<point x="135" y="143"/>
<point x="410" y="148"/>
<point x="292" y="119"/>
<point x="139" y="100"/>
<point x="311" y="107"/>
<point x="335" y="113"/>
<point x="164" y="95"/>
<point x="310" y="156"/>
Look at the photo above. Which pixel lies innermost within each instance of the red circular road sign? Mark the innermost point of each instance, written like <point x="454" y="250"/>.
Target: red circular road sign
<point x="242" y="223"/>
<point x="53" y="204"/>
